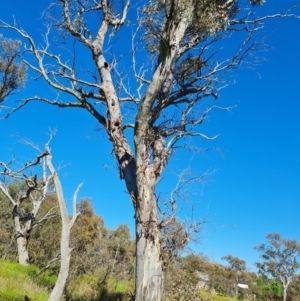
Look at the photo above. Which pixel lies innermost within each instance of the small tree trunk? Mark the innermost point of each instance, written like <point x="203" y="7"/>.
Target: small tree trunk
<point x="284" y="294"/>
<point x="65" y="250"/>
<point x="284" y="289"/>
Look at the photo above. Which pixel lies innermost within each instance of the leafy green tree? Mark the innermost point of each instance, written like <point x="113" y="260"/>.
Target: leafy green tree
<point x="236" y="268"/>
<point x="267" y="289"/>
<point x="101" y="258"/>
<point x="276" y="288"/>
<point x="12" y="73"/>
<point x="8" y="247"/>
<point x="179" y="65"/>
<point x="174" y="239"/>
<point x="294" y="289"/>
<point x="182" y="277"/>
<point x="89" y="238"/>
<point x="218" y="278"/>
<point x="45" y="237"/>
<point x="280" y="260"/>
<point x="121" y="248"/>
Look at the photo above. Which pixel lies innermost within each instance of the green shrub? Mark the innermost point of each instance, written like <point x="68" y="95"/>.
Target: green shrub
<point x="83" y="288"/>
<point x="89" y="287"/>
<point x="47" y="279"/>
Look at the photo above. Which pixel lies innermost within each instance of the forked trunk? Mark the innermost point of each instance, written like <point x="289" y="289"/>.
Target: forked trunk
<point x="65" y="250"/>
<point x="284" y="289"/>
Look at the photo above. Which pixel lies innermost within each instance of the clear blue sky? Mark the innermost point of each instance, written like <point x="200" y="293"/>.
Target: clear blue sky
<point x="256" y="187"/>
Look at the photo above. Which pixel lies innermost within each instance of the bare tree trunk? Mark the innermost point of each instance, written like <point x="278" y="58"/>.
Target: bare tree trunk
<point x="149" y="266"/>
<point x="22" y="236"/>
<point x="149" y="272"/>
<point x="284" y="292"/>
<point x="65" y="252"/>
<point x="67" y="224"/>
<point x="23" y="256"/>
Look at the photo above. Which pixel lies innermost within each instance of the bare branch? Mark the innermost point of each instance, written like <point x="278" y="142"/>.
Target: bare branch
<point x="47" y="216"/>
<point x="49" y="264"/>
<point x="71" y="28"/>
<point x="75" y="213"/>
<point x="165" y="222"/>
<point x="255" y="21"/>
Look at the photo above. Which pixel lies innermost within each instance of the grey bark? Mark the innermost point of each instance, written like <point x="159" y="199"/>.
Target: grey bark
<point x="22" y="235"/>
<point x="67" y="223"/>
<point x="285" y="284"/>
<point x="285" y="287"/>
<point x="149" y="271"/>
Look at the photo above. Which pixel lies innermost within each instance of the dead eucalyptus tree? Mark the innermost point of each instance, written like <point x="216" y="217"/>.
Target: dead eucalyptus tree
<point x="26" y="199"/>
<point x="67" y="224"/>
<point x="34" y="190"/>
<point x="176" y="64"/>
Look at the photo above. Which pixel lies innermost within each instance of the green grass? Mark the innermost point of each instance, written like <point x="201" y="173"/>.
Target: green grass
<point x="19" y="283"/>
<point x="215" y="297"/>
<point x="120" y="286"/>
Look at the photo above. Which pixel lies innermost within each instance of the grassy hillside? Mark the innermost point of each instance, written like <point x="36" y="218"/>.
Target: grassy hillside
<point x="19" y="283"/>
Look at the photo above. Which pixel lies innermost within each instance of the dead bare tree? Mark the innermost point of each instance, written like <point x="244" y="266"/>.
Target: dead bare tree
<point x="31" y="189"/>
<point x="178" y="67"/>
<point x="67" y="224"/>
<point x="36" y="190"/>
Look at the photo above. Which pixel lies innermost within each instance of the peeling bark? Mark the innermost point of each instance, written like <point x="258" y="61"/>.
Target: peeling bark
<point x="149" y="266"/>
<point x="151" y="285"/>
